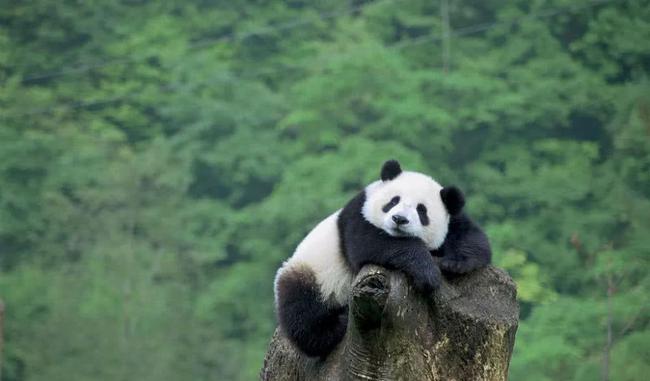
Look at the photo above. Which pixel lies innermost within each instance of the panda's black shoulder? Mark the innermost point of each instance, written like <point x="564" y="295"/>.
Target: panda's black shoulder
<point x="460" y="223"/>
<point x="351" y="212"/>
<point x="358" y="238"/>
<point x="465" y="233"/>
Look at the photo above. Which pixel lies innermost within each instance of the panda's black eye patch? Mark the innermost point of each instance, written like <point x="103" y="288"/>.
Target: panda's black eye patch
<point x="393" y="201"/>
<point x="422" y="212"/>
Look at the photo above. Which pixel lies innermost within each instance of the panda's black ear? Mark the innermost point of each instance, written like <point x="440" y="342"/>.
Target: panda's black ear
<point x="390" y="170"/>
<point x="453" y="199"/>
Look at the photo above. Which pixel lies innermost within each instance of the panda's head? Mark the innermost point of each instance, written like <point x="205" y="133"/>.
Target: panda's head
<point x="405" y="203"/>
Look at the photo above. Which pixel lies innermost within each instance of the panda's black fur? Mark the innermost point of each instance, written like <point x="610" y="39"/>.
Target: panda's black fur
<point x="316" y="323"/>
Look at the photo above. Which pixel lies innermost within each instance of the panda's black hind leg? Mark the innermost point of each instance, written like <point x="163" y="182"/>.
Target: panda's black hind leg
<point x="312" y="325"/>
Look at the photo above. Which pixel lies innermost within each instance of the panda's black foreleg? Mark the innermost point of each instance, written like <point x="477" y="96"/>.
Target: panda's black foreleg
<point x="466" y="255"/>
<point x="417" y="264"/>
<point x="312" y="325"/>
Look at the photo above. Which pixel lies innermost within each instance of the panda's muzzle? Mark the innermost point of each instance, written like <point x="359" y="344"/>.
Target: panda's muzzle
<point x="400" y="220"/>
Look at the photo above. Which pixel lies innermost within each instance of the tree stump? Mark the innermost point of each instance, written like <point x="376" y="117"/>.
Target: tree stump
<point x="464" y="331"/>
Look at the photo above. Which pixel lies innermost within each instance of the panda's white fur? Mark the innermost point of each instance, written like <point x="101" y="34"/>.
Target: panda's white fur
<point x="320" y="251"/>
<point x="413" y="188"/>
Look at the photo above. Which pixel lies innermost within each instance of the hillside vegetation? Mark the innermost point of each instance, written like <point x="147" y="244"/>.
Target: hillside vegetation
<point x="158" y="161"/>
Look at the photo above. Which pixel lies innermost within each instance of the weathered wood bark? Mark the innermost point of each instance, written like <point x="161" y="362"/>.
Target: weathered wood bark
<point x="464" y="331"/>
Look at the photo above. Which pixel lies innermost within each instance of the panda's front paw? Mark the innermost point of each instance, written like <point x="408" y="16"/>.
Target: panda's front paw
<point x="456" y="265"/>
<point x="427" y="280"/>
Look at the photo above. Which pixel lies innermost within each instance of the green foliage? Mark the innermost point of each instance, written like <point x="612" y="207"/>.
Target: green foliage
<point x="159" y="160"/>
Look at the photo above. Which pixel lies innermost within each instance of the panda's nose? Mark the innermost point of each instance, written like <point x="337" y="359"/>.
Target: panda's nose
<point x="400" y="220"/>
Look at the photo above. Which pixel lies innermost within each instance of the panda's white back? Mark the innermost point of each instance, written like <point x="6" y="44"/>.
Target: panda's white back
<point x="320" y="251"/>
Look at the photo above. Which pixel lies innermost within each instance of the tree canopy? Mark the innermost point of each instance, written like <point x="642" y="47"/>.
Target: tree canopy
<point x="159" y="160"/>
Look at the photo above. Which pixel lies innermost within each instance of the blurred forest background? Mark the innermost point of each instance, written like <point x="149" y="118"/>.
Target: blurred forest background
<point x="158" y="161"/>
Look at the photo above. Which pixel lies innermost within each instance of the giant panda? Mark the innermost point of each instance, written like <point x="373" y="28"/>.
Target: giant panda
<point x="397" y="222"/>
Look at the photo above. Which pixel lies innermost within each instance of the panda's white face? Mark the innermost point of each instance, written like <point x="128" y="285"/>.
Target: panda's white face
<point x="408" y="205"/>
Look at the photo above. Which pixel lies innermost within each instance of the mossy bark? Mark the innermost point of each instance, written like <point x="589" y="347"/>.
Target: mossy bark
<point x="463" y="331"/>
